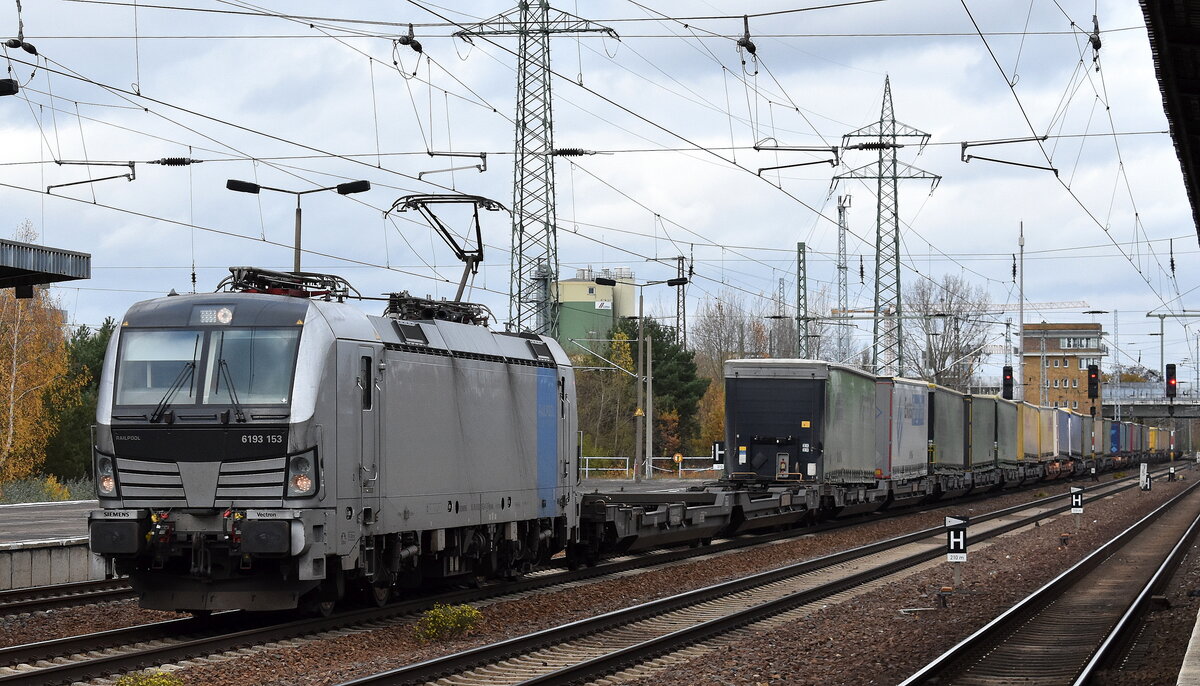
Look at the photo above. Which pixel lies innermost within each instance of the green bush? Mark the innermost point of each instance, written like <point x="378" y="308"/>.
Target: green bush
<point x="446" y="621"/>
<point x="44" y="489"/>
<point x="149" y="679"/>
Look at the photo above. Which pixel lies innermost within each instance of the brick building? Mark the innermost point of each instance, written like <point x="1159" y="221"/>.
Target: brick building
<point x="1054" y="359"/>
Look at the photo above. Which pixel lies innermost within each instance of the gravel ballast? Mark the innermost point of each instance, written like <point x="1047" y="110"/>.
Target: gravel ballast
<point x="866" y="631"/>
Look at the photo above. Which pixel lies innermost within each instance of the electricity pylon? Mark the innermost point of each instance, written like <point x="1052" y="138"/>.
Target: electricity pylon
<point x="534" y="240"/>
<point x="887" y="350"/>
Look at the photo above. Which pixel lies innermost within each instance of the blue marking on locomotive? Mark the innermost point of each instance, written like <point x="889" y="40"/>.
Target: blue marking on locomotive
<point x="547" y="439"/>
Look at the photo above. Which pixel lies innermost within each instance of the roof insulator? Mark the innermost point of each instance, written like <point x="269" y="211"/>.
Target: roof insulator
<point x="176" y="161"/>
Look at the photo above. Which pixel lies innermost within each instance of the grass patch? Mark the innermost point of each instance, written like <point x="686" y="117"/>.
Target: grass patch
<point x="44" y="489"/>
<point x="446" y="621"/>
<point x="149" y="679"/>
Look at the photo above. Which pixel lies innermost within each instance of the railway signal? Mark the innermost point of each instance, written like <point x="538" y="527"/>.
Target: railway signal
<point x="956" y="545"/>
<point x="1006" y="391"/>
<point x="718" y="455"/>
<point x="1093" y="388"/>
<point x="1172" y="382"/>
<point x="956" y="538"/>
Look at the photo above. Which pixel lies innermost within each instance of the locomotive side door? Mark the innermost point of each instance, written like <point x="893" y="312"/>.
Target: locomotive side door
<point x="359" y="405"/>
<point x="369" y="410"/>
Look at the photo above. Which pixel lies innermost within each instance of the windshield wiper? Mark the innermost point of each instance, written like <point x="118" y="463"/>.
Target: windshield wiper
<point x="185" y="376"/>
<point x="237" y="407"/>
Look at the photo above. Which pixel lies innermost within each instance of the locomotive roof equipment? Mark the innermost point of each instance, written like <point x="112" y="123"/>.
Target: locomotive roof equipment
<point x="295" y="284"/>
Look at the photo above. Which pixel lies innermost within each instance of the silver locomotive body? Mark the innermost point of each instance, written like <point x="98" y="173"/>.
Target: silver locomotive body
<point x="258" y="451"/>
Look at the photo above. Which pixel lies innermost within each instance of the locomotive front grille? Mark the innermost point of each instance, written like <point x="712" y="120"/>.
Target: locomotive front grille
<point x="146" y="483"/>
<point x="162" y="484"/>
<point x="252" y="483"/>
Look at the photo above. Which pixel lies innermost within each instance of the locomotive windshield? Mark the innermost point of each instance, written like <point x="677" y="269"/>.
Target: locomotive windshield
<point x="258" y="362"/>
<point x="153" y="361"/>
<point x="202" y="365"/>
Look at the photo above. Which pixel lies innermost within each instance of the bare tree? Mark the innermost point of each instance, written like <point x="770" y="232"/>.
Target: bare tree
<point x="718" y="333"/>
<point x="945" y="339"/>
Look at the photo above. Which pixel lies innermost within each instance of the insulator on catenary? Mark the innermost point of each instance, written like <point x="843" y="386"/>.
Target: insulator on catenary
<point x="571" y="152"/>
<point x="176" y="161"/>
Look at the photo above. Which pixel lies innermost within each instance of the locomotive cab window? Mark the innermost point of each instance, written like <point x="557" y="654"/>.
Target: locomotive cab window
<point x="172" y="366"/>
<point x="153" y="362"/>
<point x="257" y="363"/>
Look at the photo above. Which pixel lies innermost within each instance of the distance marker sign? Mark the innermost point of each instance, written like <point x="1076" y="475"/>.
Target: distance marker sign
<point x="956" y="539"/>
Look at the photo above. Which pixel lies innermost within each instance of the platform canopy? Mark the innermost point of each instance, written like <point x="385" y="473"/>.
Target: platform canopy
<point x="1174" y="29"/>
<point x="25" y="265"/>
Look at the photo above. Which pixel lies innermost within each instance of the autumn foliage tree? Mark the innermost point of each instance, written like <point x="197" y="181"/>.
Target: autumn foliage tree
<point x="33" y="362"/>
<point x="33" y="358"/>
<point x="607" y="399"/>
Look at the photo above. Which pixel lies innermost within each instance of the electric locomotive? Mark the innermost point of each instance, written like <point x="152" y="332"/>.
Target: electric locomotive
<point x="270" y="445"/>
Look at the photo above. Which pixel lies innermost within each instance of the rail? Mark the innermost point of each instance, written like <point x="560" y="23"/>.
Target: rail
<point x="985" y="640"/>
<point x="614" y="654"/>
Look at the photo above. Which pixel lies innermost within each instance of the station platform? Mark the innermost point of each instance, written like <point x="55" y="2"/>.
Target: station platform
<point x="1189" y="671"/>
<point x="44" y="521"/>
<point x="46" y="543"/>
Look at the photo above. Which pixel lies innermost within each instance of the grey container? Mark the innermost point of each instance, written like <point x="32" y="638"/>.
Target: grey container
<point x="818" y="417"/>
<point x="902" y="428"/>
<point x="948" y="433"/>
<point x="1008" y="446"/>
<point x="981" y="431"/>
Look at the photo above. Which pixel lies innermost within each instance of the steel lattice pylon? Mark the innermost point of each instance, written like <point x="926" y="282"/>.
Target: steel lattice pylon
<point x="534" y="239"/>
<point x="887" y="352"/>
<point x="843" y="332"/>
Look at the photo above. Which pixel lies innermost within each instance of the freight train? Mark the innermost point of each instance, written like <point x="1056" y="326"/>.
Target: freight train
<point x="855" y="441"/>
<point x="271" y="446"/>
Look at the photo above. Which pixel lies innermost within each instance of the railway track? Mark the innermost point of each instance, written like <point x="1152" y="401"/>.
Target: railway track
<point x="591" y="648"/>
<point x="85" y="656"/>
<point x="40" y="598"/>
<point x="1073" y="625"/>
<point x="120" y="650"/>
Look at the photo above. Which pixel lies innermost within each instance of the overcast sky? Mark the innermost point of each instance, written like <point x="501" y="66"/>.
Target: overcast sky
<point x="672" y="109"/>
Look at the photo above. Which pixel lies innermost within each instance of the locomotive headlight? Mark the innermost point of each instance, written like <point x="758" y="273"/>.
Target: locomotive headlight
<point x="106" y="481"/>
<point x="302" y="477"/>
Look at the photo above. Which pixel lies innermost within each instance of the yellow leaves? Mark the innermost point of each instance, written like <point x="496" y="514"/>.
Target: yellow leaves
<point x="33" y="364"/>
<point x="712" y="414"/>
<point x="622" y="351"/>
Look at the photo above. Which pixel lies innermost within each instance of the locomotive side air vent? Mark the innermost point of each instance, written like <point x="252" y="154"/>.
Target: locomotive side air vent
<point x="541" y="351"/>
<point x="411" y="333"/>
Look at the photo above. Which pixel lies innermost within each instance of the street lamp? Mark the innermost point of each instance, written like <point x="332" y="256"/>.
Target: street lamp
<point x="342" y="188"/>
<point x="643" y="462"/>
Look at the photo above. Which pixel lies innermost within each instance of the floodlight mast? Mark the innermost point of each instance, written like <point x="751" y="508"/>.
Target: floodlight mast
<point x="347" y="188"/>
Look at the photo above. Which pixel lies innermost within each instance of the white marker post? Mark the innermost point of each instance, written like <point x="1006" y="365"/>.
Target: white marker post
<point x="1144" y="476"/>
<point x="1076" y="504"/>
<point x="956" y="544"/>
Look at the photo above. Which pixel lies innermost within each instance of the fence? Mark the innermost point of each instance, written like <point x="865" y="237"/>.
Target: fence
<point x="621" y="467"/>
